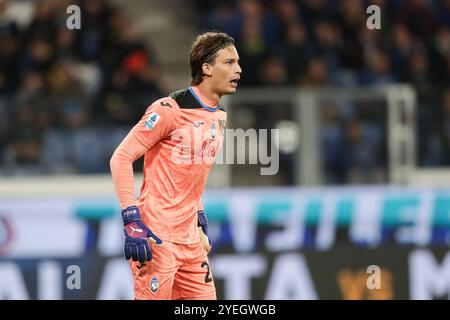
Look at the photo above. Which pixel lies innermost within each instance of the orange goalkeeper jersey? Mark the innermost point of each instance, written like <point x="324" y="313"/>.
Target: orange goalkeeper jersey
<point x="180" y="137"/>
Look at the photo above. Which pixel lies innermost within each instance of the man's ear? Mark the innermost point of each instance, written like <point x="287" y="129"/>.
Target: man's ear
<point x="207" y="70"/>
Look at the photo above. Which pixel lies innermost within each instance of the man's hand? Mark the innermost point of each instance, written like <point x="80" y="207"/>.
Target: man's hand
<point x="203" y="230"/>
<point x="136" y="245"/>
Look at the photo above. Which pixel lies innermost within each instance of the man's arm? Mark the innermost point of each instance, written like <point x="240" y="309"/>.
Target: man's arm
<point x="156" y="124"/>
<point x="121" y="165"/>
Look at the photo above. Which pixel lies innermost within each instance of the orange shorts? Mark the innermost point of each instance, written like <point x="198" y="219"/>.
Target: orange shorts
<point x="176" y="271"/>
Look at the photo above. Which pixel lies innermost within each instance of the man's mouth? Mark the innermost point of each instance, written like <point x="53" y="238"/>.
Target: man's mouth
<point x="234" y="82"/>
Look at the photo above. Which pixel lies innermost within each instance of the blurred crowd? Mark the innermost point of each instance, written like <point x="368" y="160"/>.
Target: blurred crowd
<point x="67" y="97"/>
<point x="65" y="94"/>
<point x="313" y="43"/>
<point x="319" y="42"/>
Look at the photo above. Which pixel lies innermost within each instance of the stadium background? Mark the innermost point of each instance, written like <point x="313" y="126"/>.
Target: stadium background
<point x="363" y="167"/>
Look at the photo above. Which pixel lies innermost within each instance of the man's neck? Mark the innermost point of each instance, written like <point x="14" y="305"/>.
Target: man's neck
<point x="207" y="91"/>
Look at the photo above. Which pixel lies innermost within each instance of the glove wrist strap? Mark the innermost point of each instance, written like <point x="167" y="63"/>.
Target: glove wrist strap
<point x="202" y="219"/>
<point x="130" y="214"/>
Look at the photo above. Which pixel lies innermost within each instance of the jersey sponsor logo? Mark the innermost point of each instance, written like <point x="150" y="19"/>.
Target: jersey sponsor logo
<point x="154" y="284"/>
<point x="166" y="104"/>
<point x="152" y="120"/>
<point x="210" y="148"/>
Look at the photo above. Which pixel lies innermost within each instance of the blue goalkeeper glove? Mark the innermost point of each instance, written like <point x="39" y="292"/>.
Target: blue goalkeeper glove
<point x="203" y="223"/>
<point x="136" y="245"/>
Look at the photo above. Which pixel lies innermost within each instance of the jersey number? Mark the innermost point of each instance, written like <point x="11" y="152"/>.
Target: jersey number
<point x="207" y="276"/>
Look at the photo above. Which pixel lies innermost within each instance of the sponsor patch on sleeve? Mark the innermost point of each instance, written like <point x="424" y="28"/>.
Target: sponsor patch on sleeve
<point x="153" y="119"/>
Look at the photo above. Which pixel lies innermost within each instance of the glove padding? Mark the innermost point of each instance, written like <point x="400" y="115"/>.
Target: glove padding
<point x="203" y="230"/>
<point x="136" y="244"/>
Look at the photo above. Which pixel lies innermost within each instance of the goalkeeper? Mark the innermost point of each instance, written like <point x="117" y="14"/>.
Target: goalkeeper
<point x="166" y="229"/>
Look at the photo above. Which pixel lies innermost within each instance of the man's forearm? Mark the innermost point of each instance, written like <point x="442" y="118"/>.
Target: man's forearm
<point x="122" y="173"/>
<point x="121" y="165"/>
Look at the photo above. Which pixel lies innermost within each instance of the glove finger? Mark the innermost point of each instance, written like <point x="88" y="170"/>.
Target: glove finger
<point x="127" y="251"/>
<point x="153" y="238"/>
<point x="134" y="252"/>
<point x="148" y="251"/>
<point x="143" y="252"/>
<point x="140" y="252"/>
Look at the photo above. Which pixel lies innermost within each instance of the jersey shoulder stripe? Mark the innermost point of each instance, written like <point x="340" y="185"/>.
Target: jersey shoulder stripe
<point x="186" y="100"/>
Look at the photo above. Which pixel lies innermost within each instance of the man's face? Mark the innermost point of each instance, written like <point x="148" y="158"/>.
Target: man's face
<point x="226" y="71"/>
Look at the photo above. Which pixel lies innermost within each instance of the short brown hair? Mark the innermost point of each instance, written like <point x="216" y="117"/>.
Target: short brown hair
<point x="204" y="50"/>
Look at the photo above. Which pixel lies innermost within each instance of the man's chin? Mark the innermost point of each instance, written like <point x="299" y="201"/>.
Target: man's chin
<point x="227" y="91"/>
<point x="231" y="90"/>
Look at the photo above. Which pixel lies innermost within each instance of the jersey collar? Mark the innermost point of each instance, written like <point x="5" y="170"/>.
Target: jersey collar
<point x="202" y="100"/>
